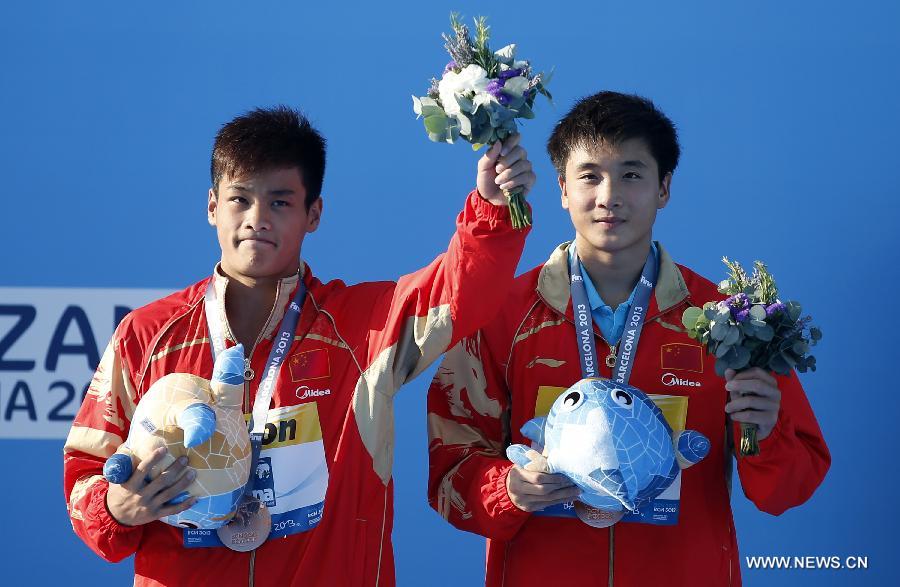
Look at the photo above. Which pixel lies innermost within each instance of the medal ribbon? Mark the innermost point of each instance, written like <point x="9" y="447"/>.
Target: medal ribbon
<point x="584" y="328"/>
<point x="266" y="389"/>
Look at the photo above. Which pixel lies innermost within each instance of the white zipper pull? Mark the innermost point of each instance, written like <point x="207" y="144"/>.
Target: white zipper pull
<point x="249" y="374"/>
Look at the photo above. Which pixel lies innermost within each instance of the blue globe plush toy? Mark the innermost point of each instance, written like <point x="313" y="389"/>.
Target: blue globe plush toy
<point x="612" y="441"/>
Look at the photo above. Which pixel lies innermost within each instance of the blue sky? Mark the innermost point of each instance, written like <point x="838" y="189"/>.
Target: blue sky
<point x="788" y="120"/>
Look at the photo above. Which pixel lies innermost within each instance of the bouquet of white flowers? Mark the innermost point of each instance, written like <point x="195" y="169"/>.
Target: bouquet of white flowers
<point x="753" y="328"/>
<point x="479" y="97"/>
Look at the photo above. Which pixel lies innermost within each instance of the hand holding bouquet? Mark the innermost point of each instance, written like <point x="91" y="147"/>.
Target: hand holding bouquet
<point x="479" y="97"/>
<point x="753" y="328"/>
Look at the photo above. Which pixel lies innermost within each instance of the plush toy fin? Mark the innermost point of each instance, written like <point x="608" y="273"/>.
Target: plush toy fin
<point x="518" y="453"/>
<point x="229" y="366"/>
<point x="690" y="448"/>
<point x="534" y="429"/>
<point x="198" y="422"/>
<point x="118" y="468"/>
<point x="183" y="496"/>
<point x="657" y="484"/>
<point x="612" y="482"/>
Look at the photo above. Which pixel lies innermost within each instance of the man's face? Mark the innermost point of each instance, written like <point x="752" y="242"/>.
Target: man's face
<point x="612" y="193"/>
<point x="261" y="221"/>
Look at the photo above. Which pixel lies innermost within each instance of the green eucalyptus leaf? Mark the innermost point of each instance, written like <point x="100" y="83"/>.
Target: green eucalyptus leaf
<point x="758" y="312"/>
<point x="733" y="336"/>
<point x="719" y="330"/>
<point x="515" y="87"/>
<point x="779" y="365"/>
<point x="437" y="123"/>
<point x="690" y="315"/>
<point x="722" y="350"/>
<point x="793" y="310"/>
<point x="465" y="104"/>
<point x="815" y="334"/>
<point x="720" y="367"/>
<point x="765" y="333"/>
<point x="525" y="112"/>
<point x="741" y="359"/>
<point x="800" y="347"/>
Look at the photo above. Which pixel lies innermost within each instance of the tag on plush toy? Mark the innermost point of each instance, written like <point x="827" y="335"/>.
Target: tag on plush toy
<point x="613" y="442"/>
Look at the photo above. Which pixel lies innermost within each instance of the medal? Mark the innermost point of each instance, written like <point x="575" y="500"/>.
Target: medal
<point x="249" y="528"/>
<point x="596" y="517"/>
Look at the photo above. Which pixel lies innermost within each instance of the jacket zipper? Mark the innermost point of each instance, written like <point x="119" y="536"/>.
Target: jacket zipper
<point x="249" y="375"/>
<point x="612" y="552"/>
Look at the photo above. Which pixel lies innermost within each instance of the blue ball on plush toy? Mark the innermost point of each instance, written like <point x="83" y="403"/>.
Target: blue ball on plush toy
<point x="612" y="441"/>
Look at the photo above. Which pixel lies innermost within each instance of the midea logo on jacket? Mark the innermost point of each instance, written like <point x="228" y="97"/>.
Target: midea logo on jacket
<point x="306" y="392"/>
<point x="670" y="379"/>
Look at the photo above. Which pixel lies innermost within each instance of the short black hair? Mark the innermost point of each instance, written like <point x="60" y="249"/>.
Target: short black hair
<point x="611" y="118"/>
<point x="270" y="138"/>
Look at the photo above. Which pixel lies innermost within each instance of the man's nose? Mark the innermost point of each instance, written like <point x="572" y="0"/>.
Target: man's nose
<point x="258" y="218"/>
<point x="607" y="196"/>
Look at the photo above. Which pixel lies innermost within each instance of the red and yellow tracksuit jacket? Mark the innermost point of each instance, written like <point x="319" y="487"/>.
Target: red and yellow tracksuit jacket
<point x="328" y="448"/>
<point x="493" y="382"/>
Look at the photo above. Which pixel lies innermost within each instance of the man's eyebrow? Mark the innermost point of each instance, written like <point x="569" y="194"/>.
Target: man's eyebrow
<point x="634" y="163"/>
<point x="281" y="192"/>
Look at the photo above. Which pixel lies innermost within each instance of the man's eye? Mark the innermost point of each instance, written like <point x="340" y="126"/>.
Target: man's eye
<point x="238" y="199"/>
<point x="632" y="175"/>
<point x="280" y="203"/>
<point x="588" y="177"/>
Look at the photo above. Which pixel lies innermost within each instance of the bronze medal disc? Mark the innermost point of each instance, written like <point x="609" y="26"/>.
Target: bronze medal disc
<point x="249" y="528"/>
<point x="595" y="516"/>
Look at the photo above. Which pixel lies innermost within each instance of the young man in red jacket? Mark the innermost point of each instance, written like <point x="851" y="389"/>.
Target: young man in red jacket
<point x="615" y="155"/>
<point x="328" y="443"/>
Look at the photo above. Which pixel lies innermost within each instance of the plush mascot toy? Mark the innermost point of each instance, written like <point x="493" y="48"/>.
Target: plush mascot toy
<point x="612" y="441"/>
<point x="203" y="420"/>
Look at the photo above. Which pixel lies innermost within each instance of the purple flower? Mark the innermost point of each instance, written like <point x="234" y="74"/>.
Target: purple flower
<point x="495" y="88"/>
<point x="739" y="305"/>
<point x="505" y="75"/>
<point x="773" y="308"/>
<point x="503" y="99"/>
<point x="451" y="65"/>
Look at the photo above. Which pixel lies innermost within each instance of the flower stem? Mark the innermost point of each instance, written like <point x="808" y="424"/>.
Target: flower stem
<point x="749" y="444"/>
<point x="519" y="212"/>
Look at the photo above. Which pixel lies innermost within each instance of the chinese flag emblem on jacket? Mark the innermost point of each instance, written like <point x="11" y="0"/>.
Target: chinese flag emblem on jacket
<point x="309" y="365"/>
<point x="682" y="357"/>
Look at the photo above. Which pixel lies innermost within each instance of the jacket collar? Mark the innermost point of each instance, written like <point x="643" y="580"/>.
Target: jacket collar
<point x="553" y="283"/>
<point x="283" y="292"/>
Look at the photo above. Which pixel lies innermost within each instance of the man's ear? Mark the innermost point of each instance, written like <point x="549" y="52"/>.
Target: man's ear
<point x="664" y="191"/>
<point x="563" y="197"/>
<point x="314" y="216"/>
<point x="211" y="205"/>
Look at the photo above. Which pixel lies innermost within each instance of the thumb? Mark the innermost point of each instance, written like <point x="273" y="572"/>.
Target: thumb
<point x="729" y="374"/>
